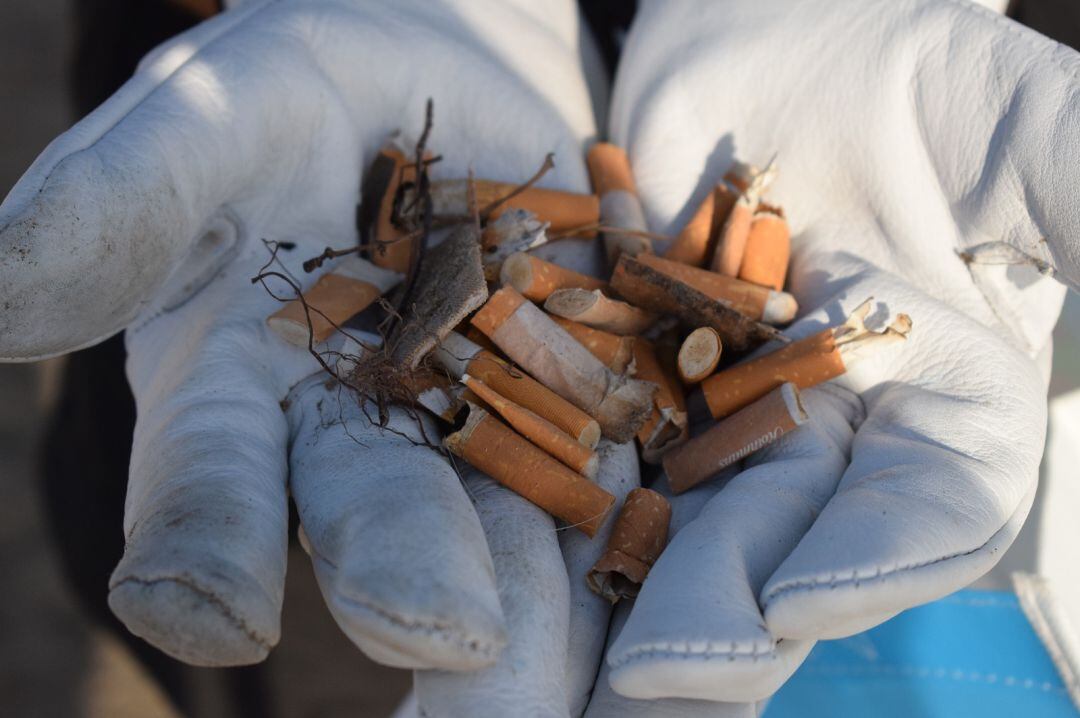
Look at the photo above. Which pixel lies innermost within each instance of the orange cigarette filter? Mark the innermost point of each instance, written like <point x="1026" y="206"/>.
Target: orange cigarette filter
<point x="755" y="301"/>
<point x="668" y="425"/>
<point x="595" y="309"/>
<point x="614" y="351"/>
<point x="335" y="298"/>
<point x="391" y="251"/>
<point x="694" y="243"/>
<point x="518" y="464"/>
<point x="637" y="540"/>
<point x="745" y="432"/>
<point x="805" y="363"/>
<point x="609" y="169"/>
<point x="563" y="210"/>
<point x="699" y="355"/>
<point x="768" y="250"/>
<point x="613" y="182"/>
<point x="536" y="279"/>
<point x="734" y="232"/>
<point x="520" y="388"/>
<point x="538" y="430"/>
<point x="731" y="243"/>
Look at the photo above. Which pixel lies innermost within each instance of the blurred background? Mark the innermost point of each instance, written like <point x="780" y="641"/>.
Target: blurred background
<point x="55" y="660"/>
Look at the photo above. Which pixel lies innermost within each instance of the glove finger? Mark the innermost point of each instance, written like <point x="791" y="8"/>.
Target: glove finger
<point x="942" y="475"/>
<point x="530" y="675"/>
<point x="99" y="221"/>
<point x="206" y="513"/>
<point x="397" y="547"/>
<point x="589" y="613"/>
<point x="606" y="703"/>
<point x="696" y="630"/>
<point x="262" y="118"/>
<point x="981" y="142"/>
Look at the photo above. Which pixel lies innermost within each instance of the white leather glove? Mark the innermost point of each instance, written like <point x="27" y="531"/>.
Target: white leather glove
<point x="148" y="215"/>
<point x="906" y="131"/>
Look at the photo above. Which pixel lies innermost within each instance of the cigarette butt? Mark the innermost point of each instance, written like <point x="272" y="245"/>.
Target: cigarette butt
<point x="529" y="336"/>
<point x="699" y="355"/>
<point x="536" y="279"/>
<point x="667" y="425"/>
<point x="693" y="243"/>
<point x="435" y="393"/>
<point x="741" y="434"/>
<point x="613" y="181"/>
<point x="336" y="297"/>
<point x="614" y="351"/>
<point x="538" y="430"/>
<point x="637" y="540"/>
<point x="390" y="170"/>
<point x="562" y="210"/>
<point x="522" y="389"/>
<point x="768" y="249"/>
<point x="805" y="363"/>
<point x="731" y="242"/>
<point x="734" y="232"/>
<point x="516" y="463"/>
<point x="658" y="292"/>
<point x="753" y="300"/>
<point x="594" y="309"/>
<point x="459" y="357"/>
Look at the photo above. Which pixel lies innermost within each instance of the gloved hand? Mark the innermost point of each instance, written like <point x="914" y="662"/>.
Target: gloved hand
<point x="148" y="215"/>
<point x="906" y="132"/>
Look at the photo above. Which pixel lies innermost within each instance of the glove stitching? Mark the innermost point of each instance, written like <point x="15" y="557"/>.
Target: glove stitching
<point x="837" y="580"/>
<point x="712" y="651"/>
<point x="209" y="596"/>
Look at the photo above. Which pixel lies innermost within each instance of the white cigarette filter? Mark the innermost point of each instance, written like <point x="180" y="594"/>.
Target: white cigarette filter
<point x="620" y="405"/>
<point x="336" y="297"/>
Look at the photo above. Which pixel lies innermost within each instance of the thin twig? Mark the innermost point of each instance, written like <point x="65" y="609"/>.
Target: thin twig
<point x="549" y="164"/>
<point x="600" y="227"/>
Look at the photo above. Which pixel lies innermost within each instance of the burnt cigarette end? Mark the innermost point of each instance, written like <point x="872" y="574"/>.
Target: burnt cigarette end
<point x="637" y="540"/>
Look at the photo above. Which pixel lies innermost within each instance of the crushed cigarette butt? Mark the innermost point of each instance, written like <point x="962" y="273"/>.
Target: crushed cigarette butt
<point x="637" y="539"/>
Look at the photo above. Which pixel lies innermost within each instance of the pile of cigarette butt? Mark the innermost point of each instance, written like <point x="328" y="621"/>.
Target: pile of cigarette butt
<point x="528" y="363"/>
